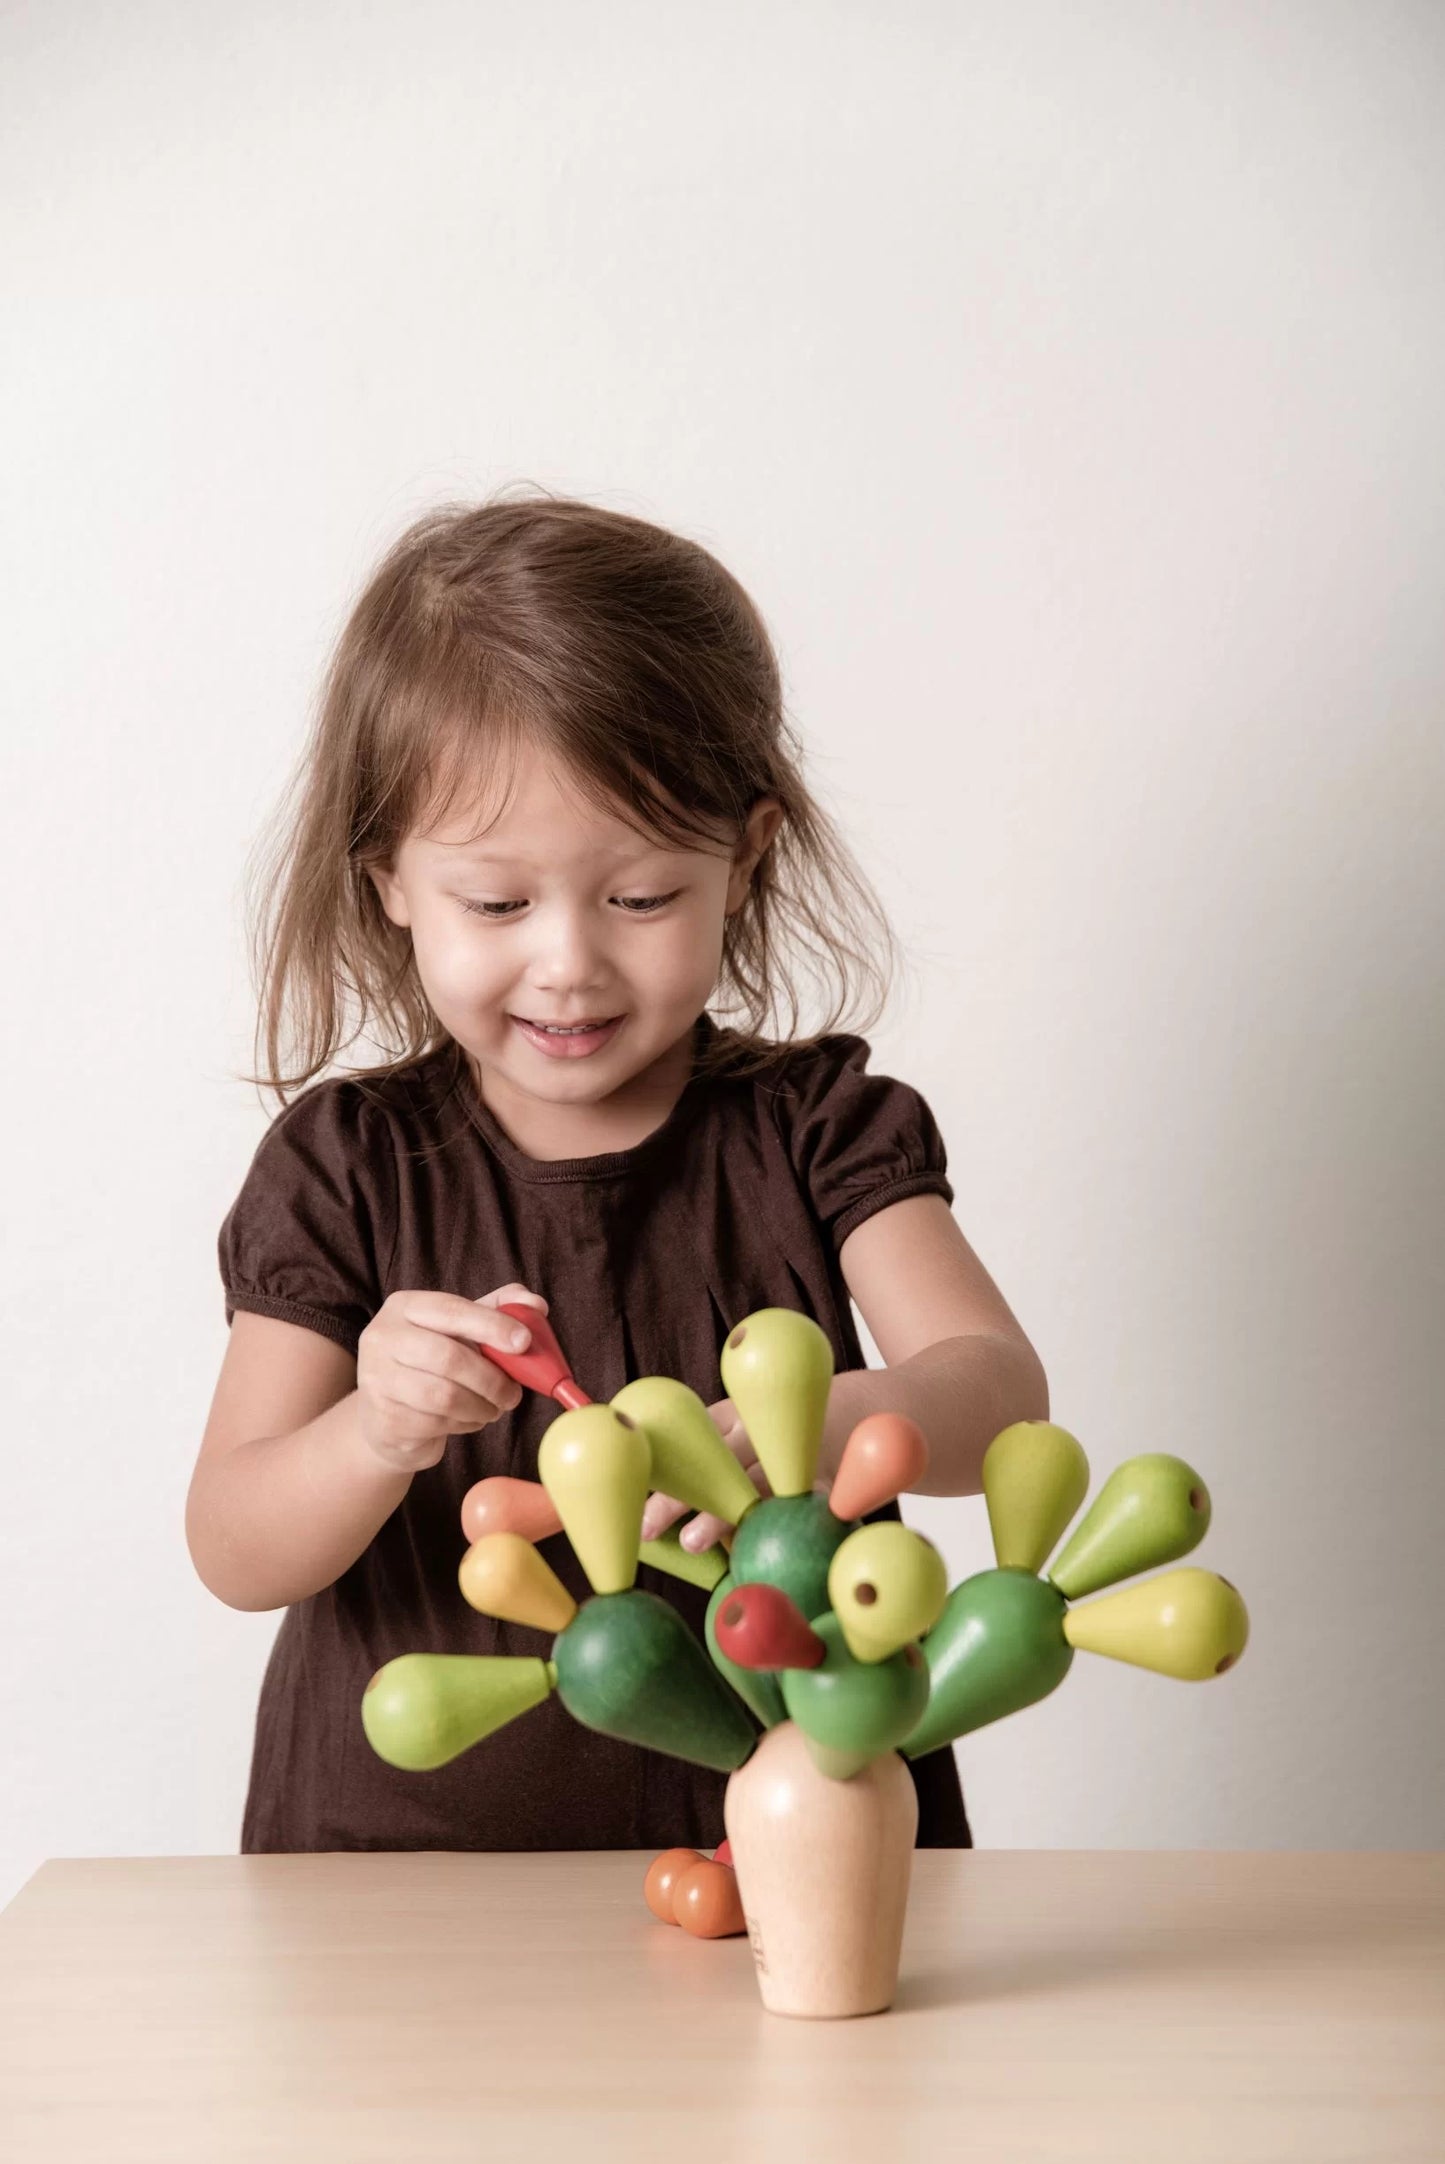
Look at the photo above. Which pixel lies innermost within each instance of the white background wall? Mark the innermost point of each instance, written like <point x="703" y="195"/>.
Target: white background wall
<point x="1065" y="383"/>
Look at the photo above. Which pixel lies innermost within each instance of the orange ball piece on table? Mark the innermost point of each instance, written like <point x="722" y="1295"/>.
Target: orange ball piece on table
<point x="884" y="1457"/>
<point x="663" y="1873"/>
<point x="706" y="1901"/>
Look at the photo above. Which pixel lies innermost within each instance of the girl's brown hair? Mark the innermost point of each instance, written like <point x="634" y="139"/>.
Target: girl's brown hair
<point x="631" y="655"/>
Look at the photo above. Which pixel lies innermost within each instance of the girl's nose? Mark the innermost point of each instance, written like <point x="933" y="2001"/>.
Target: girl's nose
<point x="568" y="957"/>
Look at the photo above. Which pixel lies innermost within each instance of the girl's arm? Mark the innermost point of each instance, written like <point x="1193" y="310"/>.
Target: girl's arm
<point x="307" y="1451"/>
<point x="285" y="1494"/>
<point x="957" y="1360"/>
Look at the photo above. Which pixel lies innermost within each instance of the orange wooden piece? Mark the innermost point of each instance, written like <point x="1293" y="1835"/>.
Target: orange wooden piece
<point x="707" y="1903"/>
<point x="502" y="1505"/>
<point x="663" y="1873"/>
<point x="885" y="1455"/>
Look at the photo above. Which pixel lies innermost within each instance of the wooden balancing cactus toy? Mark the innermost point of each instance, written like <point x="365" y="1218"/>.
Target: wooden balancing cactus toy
<point x="834" y="1649"/>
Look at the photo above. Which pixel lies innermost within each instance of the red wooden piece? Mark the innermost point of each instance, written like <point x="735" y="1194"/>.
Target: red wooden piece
<point x="759" y="1627"/>
<point x="543" y="1366"/>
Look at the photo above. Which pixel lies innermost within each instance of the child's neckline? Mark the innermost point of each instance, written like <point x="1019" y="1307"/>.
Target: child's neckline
<point x="603" y="1163"/>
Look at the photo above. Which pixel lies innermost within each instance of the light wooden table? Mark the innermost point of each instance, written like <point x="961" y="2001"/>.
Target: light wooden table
<point x="1108" y="2006"/>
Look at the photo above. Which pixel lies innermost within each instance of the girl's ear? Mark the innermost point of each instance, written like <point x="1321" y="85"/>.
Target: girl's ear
<point x="763" y="822"/>
<point x="388" y="888"/>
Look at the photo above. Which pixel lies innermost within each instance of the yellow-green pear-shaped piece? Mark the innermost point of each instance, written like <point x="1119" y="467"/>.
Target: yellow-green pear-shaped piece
<point x="1189" y="1624"/>
<point x="1150" y="1510"/>
<point x="887" y="1586"/>
<point x="502" y="1575"/>
<point x="423" y="1709"/>
<point x="777" y="1367"/>
<point x="596" y="1466"/>
<point x="1034" y="1478"/>
<point x="690" y="1460"/>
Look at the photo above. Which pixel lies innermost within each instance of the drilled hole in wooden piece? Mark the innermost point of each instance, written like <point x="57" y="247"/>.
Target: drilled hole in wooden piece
<point x="737" y="1337"/>
<point x="865" y="1594"/>
<point x="1232" y="1588"/>
<point x="1196" y="1499"/>
<point x="1221" y="1665"/>
<point x="625" y="1422"/>
<point x="734" y="1613"/>
<point x="912" y="1657"/>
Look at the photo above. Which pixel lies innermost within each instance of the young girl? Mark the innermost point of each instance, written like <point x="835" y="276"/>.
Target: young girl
<point x="551" y="814"/>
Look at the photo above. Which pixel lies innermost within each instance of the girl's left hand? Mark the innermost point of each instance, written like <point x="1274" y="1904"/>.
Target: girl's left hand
<point x="706" y="1530"/>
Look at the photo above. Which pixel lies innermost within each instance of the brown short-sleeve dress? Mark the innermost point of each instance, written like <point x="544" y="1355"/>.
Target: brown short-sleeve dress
<point x="368" y="1185"/>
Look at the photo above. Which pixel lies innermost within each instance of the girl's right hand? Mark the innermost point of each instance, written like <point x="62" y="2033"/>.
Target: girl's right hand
<point x="422" y="1374"/>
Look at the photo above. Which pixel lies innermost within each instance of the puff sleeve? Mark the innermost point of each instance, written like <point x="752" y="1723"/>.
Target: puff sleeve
<point x="858" y="1141"/>
<point x="309" y="1236"/>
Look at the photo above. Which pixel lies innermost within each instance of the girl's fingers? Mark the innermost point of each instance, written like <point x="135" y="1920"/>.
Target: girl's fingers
<point x="445" y="1404"/>
<point x="510" y="1293"/>
<point x="437" y="1407"/>
<point x="465" y="1367"/>
<point x="704" y="1532"/>
<point x="661" y="1512"/>
<point x="475" y="1322"/>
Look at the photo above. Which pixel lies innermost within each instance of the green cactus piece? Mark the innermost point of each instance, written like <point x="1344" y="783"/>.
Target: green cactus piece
<point x="789" y="1542"/>
<point x="998" y="1646"/>
<point x="855" y="1710"/>
<point x="628" y="1666"/>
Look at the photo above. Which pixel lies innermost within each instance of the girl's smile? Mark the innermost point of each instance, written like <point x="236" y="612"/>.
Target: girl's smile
<point x="574" y="1041"/>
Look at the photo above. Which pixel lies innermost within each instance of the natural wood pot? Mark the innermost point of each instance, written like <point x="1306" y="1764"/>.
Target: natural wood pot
<point x="823" y="1869"/>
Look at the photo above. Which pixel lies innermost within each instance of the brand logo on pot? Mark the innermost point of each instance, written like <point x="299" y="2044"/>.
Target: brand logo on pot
<point x="755" y="1940"/>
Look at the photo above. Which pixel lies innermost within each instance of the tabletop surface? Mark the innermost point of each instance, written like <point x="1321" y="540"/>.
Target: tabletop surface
<point x="1159" y="2005"/>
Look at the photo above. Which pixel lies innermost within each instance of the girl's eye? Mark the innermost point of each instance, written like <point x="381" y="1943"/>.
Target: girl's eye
<point x="633" y="904"/>
<point x="643" y="905"/>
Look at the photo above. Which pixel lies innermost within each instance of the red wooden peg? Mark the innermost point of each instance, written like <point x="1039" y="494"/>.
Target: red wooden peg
<point x="543" y="1366"/>
<point x="759" y="1627"/>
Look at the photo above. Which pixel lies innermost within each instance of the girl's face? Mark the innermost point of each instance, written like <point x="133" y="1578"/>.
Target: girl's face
<point x="560" y="915"/>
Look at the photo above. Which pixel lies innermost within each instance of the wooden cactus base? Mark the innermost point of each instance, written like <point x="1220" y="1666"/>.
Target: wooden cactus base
<point x="823" y="1868"/>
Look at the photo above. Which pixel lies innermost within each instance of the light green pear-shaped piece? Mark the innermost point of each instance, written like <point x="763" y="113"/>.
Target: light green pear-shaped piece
<point x="423" y="1709"/>
<point x="690" y="1460"/>
<point x="887" y="1586"/>
<point x="703" y="1568"/>
<point x="777" y="1367"/>
<point x="1034" y="1478"/>
<point x="1187" y="1623"/>
<point x="595" y="1464"/>
<point x="1150" y="1510"/>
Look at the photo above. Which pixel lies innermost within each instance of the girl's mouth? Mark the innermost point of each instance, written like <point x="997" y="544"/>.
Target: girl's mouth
<point x="569" y="1040"/>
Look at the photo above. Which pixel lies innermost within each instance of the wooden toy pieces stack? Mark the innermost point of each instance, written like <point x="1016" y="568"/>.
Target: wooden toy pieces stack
<point x="840" y="1640"/>
<point x="1006" y="1637"/>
